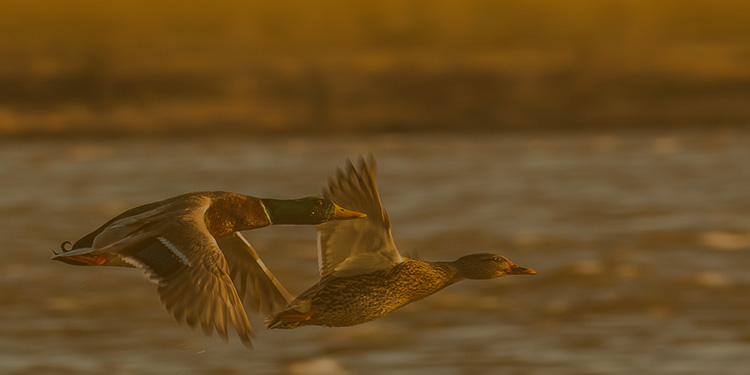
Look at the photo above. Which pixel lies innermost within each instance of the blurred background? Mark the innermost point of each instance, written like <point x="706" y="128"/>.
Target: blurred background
<point x="602" y="143"/>
<point x="84" y="67"/>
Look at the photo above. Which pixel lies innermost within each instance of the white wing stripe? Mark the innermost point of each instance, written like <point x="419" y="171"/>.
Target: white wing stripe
<point x="179" y="254"/>
<point x="147" y="271"/>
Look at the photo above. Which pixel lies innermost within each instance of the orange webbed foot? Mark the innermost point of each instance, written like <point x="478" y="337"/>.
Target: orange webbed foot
<point x="301" y="317"/>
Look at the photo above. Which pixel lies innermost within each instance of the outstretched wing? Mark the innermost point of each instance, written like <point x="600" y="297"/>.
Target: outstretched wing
<point x="199" y="291"/>
<point x="254" y="282"/>
<point x="173" y="247"/>
<point x="354" y="247"/>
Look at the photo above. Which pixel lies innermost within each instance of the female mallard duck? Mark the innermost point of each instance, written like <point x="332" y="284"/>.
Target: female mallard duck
<point x="362" y="275"/>
<point x="190" y="246"/>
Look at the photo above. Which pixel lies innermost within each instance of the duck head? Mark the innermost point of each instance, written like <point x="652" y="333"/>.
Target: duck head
<point x="309" y="210"/>
<point x="488" y="266"/>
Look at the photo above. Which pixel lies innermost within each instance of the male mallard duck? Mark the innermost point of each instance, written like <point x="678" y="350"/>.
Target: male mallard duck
<point x="190" y="246"/>
<point x="362" y="275"/>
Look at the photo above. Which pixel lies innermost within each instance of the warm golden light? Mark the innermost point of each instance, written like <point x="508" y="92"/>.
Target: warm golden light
<point x="150" y="67"/>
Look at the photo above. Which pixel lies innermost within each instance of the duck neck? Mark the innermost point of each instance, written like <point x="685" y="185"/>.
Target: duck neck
<point x="465" y="270"/>
<point x="453" y="274"/>
<point x="287" y="211"/>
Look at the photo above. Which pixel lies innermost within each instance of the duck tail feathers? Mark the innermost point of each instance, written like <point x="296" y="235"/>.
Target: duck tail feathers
<point x="76" y="257"/>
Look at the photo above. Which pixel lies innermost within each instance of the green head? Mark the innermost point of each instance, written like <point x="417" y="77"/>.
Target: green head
<point x="310" y="210"/>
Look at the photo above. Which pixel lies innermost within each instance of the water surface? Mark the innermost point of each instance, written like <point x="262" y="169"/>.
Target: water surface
<point x="641" y="242"/>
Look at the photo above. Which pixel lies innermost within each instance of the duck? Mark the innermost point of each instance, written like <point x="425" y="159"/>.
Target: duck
<point x="190" y="246"/>
<point x="363" y="276"/>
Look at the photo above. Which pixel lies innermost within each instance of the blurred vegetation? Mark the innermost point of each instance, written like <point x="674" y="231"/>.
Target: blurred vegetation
<point x="183" y="67"/>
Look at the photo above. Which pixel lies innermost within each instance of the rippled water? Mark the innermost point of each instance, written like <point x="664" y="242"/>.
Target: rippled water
<point x="641" y="241"/>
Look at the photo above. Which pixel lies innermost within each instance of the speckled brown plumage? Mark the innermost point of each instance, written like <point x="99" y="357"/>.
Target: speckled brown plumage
<point x="363" y="276"/>
<point x="347" y="301"/>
